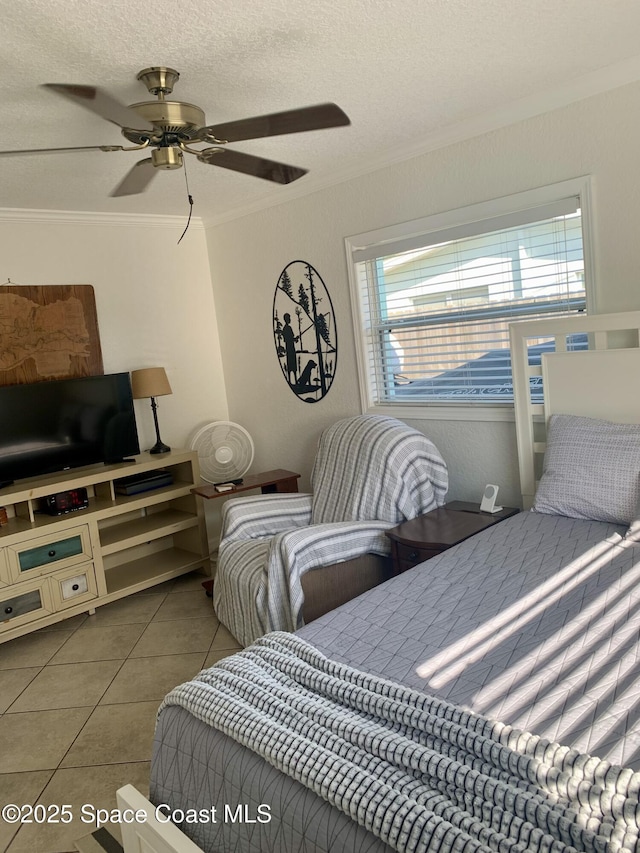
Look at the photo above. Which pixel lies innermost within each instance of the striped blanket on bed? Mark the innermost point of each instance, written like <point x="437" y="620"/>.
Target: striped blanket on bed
<point x="417" y="772"/>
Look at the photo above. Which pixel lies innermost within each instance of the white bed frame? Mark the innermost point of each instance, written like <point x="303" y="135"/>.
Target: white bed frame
<point x="149" y="835"/>
<point x="600" y="382"/>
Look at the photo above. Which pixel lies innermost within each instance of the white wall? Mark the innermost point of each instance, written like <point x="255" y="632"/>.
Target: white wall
<point x="599" y="136"/>
<point x="153" y="298"/>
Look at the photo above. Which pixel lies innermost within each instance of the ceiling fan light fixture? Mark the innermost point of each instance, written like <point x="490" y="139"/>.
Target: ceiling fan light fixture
<point x="167" y="158"/>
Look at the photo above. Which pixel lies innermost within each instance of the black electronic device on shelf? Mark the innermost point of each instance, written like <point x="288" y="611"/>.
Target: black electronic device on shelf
<point x="143" y="482"/>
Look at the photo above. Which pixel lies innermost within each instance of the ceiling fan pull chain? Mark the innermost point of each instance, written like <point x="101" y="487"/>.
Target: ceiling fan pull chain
<point x="190" y="197"/>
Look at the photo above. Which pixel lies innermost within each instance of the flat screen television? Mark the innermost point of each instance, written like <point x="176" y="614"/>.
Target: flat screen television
<point x="65" y="423"/>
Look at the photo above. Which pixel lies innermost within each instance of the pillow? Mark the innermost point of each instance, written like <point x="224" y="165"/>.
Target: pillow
<point x="591" y="470"/>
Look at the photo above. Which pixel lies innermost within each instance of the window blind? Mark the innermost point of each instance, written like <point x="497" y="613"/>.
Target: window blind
<point x="436" y="307"/>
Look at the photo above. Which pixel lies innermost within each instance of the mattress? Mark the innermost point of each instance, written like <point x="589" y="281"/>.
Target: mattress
<point x="534" y="622"/>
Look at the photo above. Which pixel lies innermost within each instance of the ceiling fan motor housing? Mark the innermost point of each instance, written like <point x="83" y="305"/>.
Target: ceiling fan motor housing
<point x="177" y="117"/>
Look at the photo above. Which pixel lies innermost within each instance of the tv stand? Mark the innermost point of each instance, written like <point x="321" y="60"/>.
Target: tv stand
<point x="54" y="567"/>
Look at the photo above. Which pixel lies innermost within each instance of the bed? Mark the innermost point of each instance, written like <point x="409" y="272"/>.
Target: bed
<point x="534" y="623"/>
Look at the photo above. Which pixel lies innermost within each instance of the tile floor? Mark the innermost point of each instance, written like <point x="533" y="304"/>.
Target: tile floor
<point x="78" y="702"/>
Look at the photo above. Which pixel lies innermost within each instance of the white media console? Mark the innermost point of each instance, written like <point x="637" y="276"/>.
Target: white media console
<point x="56" y="566"/>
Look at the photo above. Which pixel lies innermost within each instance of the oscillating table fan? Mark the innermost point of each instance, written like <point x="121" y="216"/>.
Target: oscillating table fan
<point x="225" y="451"/>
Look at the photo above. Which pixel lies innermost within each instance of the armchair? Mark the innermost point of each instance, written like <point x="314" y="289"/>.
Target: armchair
<point x="285" y="559"/>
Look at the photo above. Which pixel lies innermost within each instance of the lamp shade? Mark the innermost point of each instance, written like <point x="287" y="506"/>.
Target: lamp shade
<point x="149" y="382"/>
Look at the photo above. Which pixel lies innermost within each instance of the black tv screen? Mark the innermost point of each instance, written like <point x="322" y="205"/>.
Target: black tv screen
<point x="66" y="423"/>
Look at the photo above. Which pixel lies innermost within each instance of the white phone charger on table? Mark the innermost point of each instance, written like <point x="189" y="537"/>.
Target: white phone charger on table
<point x="489" y="498"/>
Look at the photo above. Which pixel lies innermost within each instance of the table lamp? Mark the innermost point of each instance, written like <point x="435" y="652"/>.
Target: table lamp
<point x="151" y="382"/>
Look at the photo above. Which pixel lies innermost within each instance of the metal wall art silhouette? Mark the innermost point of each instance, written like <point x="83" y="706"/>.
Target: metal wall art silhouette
<point x="304" y="330"/>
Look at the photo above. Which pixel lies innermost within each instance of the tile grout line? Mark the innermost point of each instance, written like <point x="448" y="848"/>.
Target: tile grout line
<point x="10" y="706"/>
<point x="43" y="666"/>
<point x="51" y="772"/>
<point x="96" y="704"/>
<point x="50" y="663"/>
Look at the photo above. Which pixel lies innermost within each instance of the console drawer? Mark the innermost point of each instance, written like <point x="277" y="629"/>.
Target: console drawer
<point x="73" y="586"/>
<point x="24" y="603"/>
<point x="46" y="553"/>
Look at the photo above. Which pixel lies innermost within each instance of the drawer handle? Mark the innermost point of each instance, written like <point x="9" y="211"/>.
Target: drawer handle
<point x="413" y="555"/>
<point x="52" y="553"/>
<point x="75" y="587"/>
<point x="8" y="610"/>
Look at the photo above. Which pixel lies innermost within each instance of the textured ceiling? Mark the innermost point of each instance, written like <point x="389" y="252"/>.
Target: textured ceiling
<point x="407" y="72"/>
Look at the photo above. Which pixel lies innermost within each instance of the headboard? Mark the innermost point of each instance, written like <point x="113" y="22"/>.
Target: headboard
<point x="600" y="381"/>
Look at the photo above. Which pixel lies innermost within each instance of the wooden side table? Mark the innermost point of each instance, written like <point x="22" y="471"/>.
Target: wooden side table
<point x="268" y="482"/>
<point x="277" y="481"/>
<point x="421" y="538"/>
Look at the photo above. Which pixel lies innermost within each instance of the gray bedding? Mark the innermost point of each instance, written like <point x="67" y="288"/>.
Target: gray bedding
<point x="535" y="622"/>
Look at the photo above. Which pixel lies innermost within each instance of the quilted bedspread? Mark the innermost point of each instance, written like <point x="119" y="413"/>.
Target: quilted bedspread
<point x="416" y="771"/>
<point x="534" y="622"/>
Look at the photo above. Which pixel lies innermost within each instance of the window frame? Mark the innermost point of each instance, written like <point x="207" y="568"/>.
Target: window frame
<point x="505" y="206"/>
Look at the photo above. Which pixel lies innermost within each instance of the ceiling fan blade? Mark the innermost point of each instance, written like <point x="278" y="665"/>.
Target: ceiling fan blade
<point x="62" y="150"/>
<point x="136" y="180"/>
<point x="290" y="121"/>
<point x="101" y="103"/>
<point x="249" y="164"/>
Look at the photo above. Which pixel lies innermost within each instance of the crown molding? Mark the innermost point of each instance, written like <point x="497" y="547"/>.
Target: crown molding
<point x="81" y="217"/>
<point x="580" y="88"/>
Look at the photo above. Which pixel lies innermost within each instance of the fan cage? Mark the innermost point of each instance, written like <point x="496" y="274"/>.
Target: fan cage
<point x="225" y="451"/>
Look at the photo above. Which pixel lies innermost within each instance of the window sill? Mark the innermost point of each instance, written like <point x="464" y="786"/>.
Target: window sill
<point x="444" y="412"/>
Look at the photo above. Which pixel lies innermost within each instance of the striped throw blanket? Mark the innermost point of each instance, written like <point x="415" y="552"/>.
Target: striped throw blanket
<point x="376" y="467"/>
<point x="371" y="472"/>
<point x="417" y="772"/>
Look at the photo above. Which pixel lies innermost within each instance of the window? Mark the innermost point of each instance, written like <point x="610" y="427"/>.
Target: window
<point x="435" y="297"/>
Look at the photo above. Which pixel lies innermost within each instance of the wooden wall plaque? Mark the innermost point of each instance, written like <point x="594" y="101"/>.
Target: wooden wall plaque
<point x="48" y="332"/>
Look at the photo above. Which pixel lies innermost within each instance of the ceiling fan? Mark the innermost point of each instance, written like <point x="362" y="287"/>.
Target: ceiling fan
<point x="170" y="128"/>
